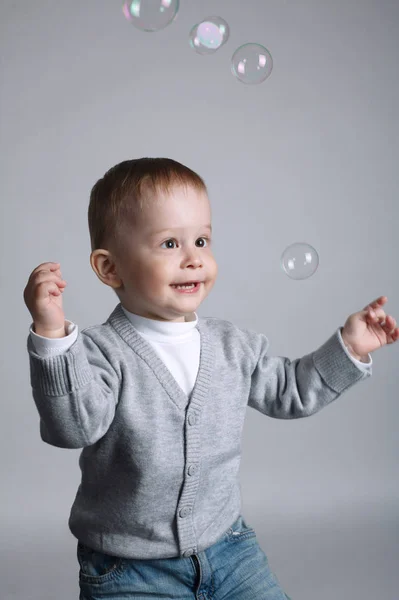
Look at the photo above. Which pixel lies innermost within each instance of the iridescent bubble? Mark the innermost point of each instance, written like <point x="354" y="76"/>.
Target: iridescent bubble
<point x="150" y="15"/>
<point x="299" y="260"/>
<point x="209" y="35"/>
<point x="251" y="63"/>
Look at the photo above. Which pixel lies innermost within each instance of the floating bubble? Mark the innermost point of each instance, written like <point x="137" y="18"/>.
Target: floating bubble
<point x="209" y="35"/>
<point x="150" y="15"/>
<point x="299" y="260"/>
<point x="251" y="63"/>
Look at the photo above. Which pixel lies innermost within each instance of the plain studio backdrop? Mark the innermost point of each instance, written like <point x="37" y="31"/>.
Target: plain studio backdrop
<point x="310" y="155"/>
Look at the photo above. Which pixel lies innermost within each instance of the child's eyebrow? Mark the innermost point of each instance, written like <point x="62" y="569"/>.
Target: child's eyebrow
<point x="209" y="226"/>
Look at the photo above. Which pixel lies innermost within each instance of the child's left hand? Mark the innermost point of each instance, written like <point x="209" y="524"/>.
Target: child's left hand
<point x="369" y="329"/>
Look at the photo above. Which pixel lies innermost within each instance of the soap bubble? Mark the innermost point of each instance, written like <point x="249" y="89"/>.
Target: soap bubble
<point x="299" y="260"/>
<point x="150" y="15"/>
<point x="209" y="35"/>
<point x="251" y="63"/>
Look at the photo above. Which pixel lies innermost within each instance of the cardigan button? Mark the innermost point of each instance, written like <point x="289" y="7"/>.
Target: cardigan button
<point x="192" y="419"/>
<point x="185" y="511"/>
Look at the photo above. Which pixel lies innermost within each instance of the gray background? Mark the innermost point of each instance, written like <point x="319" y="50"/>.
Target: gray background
<point x="309" y="155"/>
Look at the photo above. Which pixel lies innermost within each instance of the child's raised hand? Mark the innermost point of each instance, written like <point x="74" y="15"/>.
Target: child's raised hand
<point x="369" y="329"/>
<point x="43" y="297"/>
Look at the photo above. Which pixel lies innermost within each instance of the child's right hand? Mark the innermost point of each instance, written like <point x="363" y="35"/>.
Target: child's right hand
<point x="43" y="298"/>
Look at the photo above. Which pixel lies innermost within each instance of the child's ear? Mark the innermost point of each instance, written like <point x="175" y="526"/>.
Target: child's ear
<point x="104" y="267"/>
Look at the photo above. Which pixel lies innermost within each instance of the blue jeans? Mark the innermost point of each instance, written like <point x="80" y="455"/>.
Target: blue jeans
<point x="234" y="568"/>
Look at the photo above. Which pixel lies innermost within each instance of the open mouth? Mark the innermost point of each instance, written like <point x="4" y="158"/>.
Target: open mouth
<point x="190" y="288"/>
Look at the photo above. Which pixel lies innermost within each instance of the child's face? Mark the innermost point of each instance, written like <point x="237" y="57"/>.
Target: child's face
<point x="153" y="259"/>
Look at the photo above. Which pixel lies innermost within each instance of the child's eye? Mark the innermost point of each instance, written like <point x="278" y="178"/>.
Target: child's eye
<point x="172" y="240"/>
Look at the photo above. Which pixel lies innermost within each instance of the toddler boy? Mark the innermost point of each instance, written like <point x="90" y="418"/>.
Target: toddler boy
<point x="156" y="397"/>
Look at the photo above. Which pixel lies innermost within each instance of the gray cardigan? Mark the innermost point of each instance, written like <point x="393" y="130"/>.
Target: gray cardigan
<point x="159" y="469"/>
